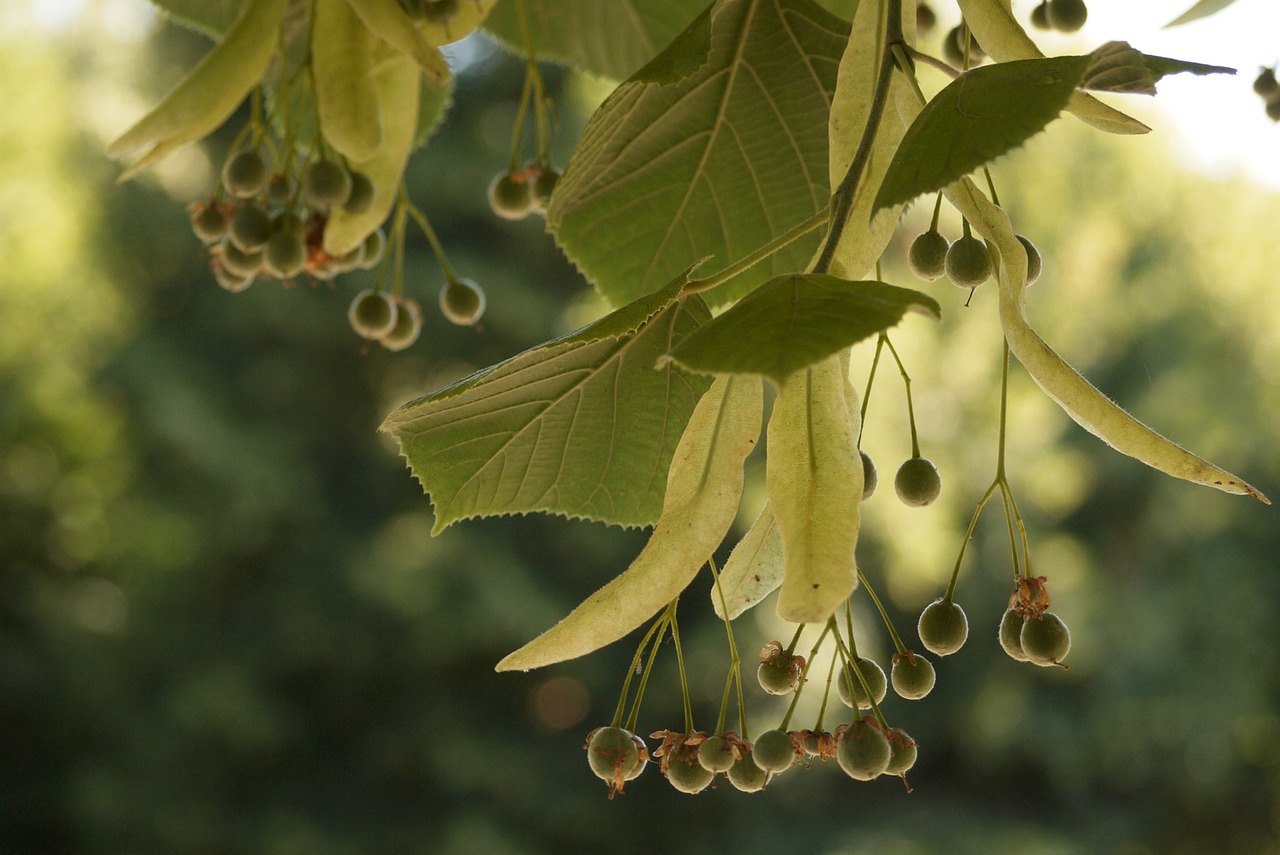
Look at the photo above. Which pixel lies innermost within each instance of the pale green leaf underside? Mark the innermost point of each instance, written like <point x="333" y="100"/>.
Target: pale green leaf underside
<point x="753" y="570"/>
<point x="703" y="489"/>
<point x="716" y="164"/>
<point x="582" y="426"/>
<point x="1203" y="9"/>
<point x="795" y="320"/>
<point x="984" y="113"/>
<point x="211" y="17"/>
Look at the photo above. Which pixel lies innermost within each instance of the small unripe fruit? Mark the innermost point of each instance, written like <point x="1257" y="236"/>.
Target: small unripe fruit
<point x="1034" y="263"/>
<point x="612" y="755"/>
<point x="209" y="222"/>
<point x="250" y="228"/>
<point x="1067" y="16"/>
<point x="642" y="758"/>
<point x="285" y="254"/>
<point x="912" y="676"/>
<point x="778" y="674"/>
<point x="1273" y="110"/>
<point x="862" y="751"/>
<point x="1040" y="16"/>
<point x="1045" y="639"/>
<point x="509" y="198"/>
<point x="361" y="195"/>
<point x="1011" y="634"/>
<point x="746" y="776"/>
<point x="462" y="302"/>
<point x="245" y="174"/>
<point x="903" y="752"/>
<point x="280" y="189"/>
<point x="968" y="263"/>
<point x="1266" y="85"/>
<point x="326" y="184"/>
<point x="926" y="19"/>
<point x="951" y="48"/>
<point x="375" y="243"/>
<point x="849" y="687"/>
<point x="230" y="281"/>
<point x="716" y="754"/>
<point x="943" y="627"/>
<point x="683" y="770"/>
<point x="918" y="482"/>
<point x="372" y="314"/>
<point x="927" y="256"/>
<point x="542" y="187"/>
<point x="870" y="478"/>
<point x="238" y="262"/>
<point x="439" y="11"/>
<point x="773" y="751"/>
<point x="407" y="328"/>
<point x="964" y="39"/>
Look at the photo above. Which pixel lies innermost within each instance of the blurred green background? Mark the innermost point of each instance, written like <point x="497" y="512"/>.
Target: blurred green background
<point x="225" y="629"/>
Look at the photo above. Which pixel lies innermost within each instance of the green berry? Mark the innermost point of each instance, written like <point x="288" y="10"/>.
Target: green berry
<point x="927" y="256"/>
<point x="245" y="174"/>
<point x="1067" y="16"/>
<point x="361" y="195"/>
<point x="918" y="482"/>
<point x="1034" y="263"/>
<point x="1273" y="110"/>
<point x="462" y="302"/>
<point x="1045" y="639"/>
<point x="280" y="189"/>
<point x="439" y="11"/>
<point x="862" y="751"/>
<point x="407" y="328"/>
<point x="612" y="755"/>
<point x="747" y="776"/>
<point x="230" y="281"/>
<point x="234" y="260"/>
<point x="326" y="184"/>
<point x="510" y="197"/>
<point x="926" y="18"/>
<point x="684" y="772"/>
<point x="976" y="53"/>
<point x="285" y="254"/>
<point x="375" y="243"/>
<point x="209" y="222"/>
<point x="1040" y="16"/>
<point x="716" y="754"/>
<point x="1011" y="634"/>
<point x="1265" y="84"/>
<point x="542" y="187"/>
<point x="642" y="754"/>
<point x="850" y="688"/>
<point x="250" y="228"/>
<point x="774" y="751"/>
<point x="287" y="222"/>
<point x="372" y="314"/>
<point x="943" y="627"/>
<point x="968" y="263"/>
<point x="951" y="48"/>
<point x="869" y="476"/>
<point x="903" y="752"/>
<point x="912" y="676"/>
<point x="779" y="673"/>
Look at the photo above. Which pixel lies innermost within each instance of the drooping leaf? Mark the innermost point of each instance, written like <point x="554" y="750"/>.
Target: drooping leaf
<point x="466" y="19"/>
<point x="814" y="477"/>
<point x="754" y="569"/>
<point x="1079" y="398"/>
<point x="398" y="81"/>
<point x="434" y="101"/>
<point x="387" y="20"/>
<point x="794" y="321"/>
<point x="346" y="90"/>
<point x="998" y="31"/>
<point x="1117" y="67"/>
<point x="703" y="489"/>
<point x="211" y="17"/>
<point x="582" y="426"/>
<point x="714" y="164"/>
<point x="1202" y="9"/>
<point x="981" y="115"/>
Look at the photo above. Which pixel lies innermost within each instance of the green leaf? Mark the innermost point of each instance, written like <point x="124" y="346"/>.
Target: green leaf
<point x="346" y="88"/>
<point x="1203" y="9"/>
<point x="753" y="570"/>
<point x="582" y="426"/>
<point x="211" y="17"/>
<point x="703" y="490"/>
<point x="1117" y="67"/>
<point x="434" y="100"/>
<point x="794" y="321"/>
<point x="981" y="115"/>
<point x="715" y="164"/>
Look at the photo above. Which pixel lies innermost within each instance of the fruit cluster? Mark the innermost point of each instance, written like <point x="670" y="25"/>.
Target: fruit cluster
<point x="1065" y="16"/>
<point x="1268" y="89"/>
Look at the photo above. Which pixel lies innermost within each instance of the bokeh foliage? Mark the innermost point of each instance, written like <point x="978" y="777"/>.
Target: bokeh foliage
<point x="224" y="627"/>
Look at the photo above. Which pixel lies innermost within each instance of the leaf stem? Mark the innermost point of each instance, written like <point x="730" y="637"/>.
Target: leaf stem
<point x="906" y="383"/>
<point x="661" y="622"/>
<point x="684" y="677"/>
<point x="884" y="616"/>
<point x="783" y="240"/>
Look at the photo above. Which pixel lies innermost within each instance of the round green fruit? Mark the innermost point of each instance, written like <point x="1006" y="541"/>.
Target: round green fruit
<point x="943" y="627"/>
<point x="870" y="478"/>
<point x="927" y="256"/>
<point x="778" y="674"/>
<point x="375" y="243"/>
<point x="773" y="751"/>
<point x="372" y="314"/>
<point x="361" y="195"/>
<point x="462" y="302"/>
<point x="1034" y="263"/>
<point x="918" y="482"/>
<point x="1067" y="16"/>
<point x="1011" y="635"/>
<point x="542" y="187"/>
<point x="234" y="260"/>
<point x="912" y="676"/>
<point x="903" y="752"/>
<point x="951" y="48"/>
<point x="968" y="263"/>
<point x="245" y="174"/>
<point x="926" y="18"/>
<point x="611" y="753"/>
<point x="510" y="198"/>
<point x="405" y="331"/>
<point x="209" y="222"/>
<point x="285" y="254"/>
<point x="1265" y="84"/>
<point x="964" y="39"/>
<point x="684" y="772"/>
<point x="250" y="228"/>
<point x="326" y="184"/>
<point x="849" y="687"/>
<point x="1040" y="16"/>
<point x="716" y="754"/>
<point x="280" y="189"/>
<point x="747" y="776"/>
<point x="1045" y="639"/>
<point x="230" y="281"/>
<point x="862" y="751"/>
<point x="439" y="11"/>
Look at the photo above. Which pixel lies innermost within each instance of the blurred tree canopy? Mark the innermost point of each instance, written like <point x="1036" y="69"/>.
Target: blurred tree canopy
<point x="225" y="629"/>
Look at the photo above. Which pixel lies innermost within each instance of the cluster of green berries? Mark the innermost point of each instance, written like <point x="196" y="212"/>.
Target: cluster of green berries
<point x="1065" y="16"/>
<point x="966" y="261"/>
<point x="1268" y="89"/>
<point x="516" y="194"/>
<point x="1029" y="632"/>
<point x="262" y="224"/>
<point x="917" y="482"/>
